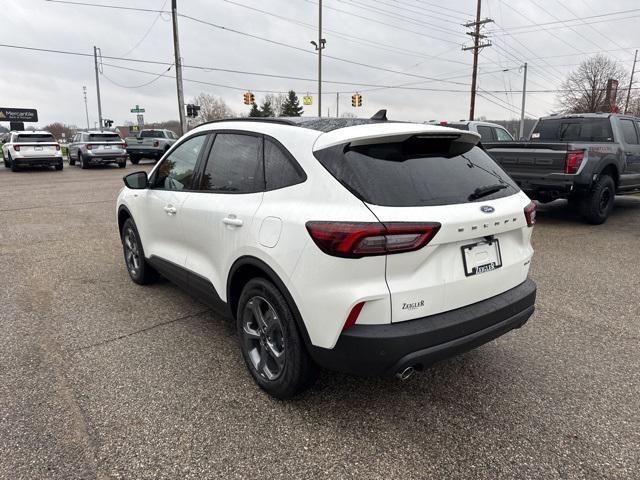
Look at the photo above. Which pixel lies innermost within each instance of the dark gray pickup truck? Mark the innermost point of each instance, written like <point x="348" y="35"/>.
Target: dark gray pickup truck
<point x="586" y="158"/>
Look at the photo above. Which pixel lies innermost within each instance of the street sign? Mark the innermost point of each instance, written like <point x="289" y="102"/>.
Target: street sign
<point x="307" y="100"/>
<point x="140" y="119"/>
<point x="18" y="115"/>
<point x="137" y="109"/>
<point x="134" y="128"/>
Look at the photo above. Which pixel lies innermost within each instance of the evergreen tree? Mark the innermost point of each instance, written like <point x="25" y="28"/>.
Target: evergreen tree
<point x="266" y="110"/>
<point x="255" y="111"/>
<point x="291" y="106"/>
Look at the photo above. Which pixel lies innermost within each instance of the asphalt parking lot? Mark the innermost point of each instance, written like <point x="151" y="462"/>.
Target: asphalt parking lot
<point x="101" y="378"/>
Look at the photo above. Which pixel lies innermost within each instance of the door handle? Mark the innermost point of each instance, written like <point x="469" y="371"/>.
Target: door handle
<point x="170" y="209"/>
<point x="232" y="220"/>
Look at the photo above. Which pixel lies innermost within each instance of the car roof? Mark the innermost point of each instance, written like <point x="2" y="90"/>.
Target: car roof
<point x="26" y="132"/>
<point x="321" y="124"/>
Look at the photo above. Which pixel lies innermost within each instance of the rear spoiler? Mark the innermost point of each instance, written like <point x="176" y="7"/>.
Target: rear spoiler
<point x="370" y="134"/>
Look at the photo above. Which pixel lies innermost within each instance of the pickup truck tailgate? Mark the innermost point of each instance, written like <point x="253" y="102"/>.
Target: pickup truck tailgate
<point x="529" y="158"/>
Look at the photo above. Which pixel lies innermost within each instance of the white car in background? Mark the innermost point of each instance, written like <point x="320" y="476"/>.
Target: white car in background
<point x="364" y="246"/>
<point x="489" y="132"/>
<point x="28" y="148"/>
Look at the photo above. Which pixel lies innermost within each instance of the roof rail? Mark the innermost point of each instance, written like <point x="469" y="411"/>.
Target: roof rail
<point x="280" y="121"/>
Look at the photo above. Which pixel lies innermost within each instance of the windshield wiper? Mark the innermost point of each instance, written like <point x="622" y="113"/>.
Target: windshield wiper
<point x="486" y="190"/>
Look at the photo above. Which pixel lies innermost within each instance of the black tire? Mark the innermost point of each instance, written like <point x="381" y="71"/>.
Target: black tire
<point x="140" y="271"/>
<point x="7" y="161"/>
<point x="134" y="160"/>
<point x="72" y="161"/>
<point x="122" y="164"/>
<point x="12" y="164"/>
<point x="59" y="167"/>
<point x="596" y="206"/>
<point x="278" y="333"/>
<point x="81" y="161"/>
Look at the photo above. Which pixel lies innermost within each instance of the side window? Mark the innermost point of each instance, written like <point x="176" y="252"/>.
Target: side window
<point x="176" y="171"/>
<point x="280" y="170"/>
<point x="502" y="135"/>
<point x="234" y="164"/>
<point x="629" y="132"/>
<point x="485" y="133"/>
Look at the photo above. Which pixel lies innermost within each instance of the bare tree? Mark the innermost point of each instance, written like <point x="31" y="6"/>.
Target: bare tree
<point x="585" y="89"/>
<point x="276" y="102"/>
<point x="57" y="129"/>
<point x="211" y="108"/>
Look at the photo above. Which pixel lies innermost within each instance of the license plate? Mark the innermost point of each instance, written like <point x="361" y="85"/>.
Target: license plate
<point x="107" y="147"/>
<point x="481" y="257"/>
<point x="37" y="148"/>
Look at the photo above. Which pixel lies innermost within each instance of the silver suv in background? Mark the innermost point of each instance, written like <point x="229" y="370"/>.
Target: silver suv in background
<point x="489" y="132"/>
<point x="97" y="148"/>
<point x="150" y="143"/>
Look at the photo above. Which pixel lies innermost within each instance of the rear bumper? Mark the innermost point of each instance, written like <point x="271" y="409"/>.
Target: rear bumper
<point x="388" y="349"/>
<point x="100" y="159"/>
<point x="145" y="152"/>
<point x="37" y="162"/>
<point x="555" y="184"/>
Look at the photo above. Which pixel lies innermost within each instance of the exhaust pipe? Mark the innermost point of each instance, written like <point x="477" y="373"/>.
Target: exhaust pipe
<point x="406" y="373"/>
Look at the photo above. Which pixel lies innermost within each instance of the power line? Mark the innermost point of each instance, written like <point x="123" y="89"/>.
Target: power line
<point x="146" y="34"/>
<point x="155" y="79"/>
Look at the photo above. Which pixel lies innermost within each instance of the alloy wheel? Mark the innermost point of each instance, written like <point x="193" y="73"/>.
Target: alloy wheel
<point x="131" y="251"/>
<point x="263" y="338"/>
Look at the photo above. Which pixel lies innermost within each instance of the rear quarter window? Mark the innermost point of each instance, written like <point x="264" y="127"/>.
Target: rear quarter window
<point x="573" y="129"/>
<point x="416" y="172"/>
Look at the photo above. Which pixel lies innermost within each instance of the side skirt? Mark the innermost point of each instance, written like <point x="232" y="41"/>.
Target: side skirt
<point x="195" y="285"/>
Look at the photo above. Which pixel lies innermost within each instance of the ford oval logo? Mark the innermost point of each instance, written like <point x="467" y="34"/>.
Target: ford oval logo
<point x="487" y="209"/>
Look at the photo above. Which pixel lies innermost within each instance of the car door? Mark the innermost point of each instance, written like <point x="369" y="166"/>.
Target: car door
<point x="159" y="217"/>
<point x="219" y="215"/>
<point x="631" y="146"/>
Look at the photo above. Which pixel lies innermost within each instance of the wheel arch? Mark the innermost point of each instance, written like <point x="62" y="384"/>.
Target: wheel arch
<point x="611" y="169"/>
<point x="247" y="267"/>
<point x="123" y="215"/>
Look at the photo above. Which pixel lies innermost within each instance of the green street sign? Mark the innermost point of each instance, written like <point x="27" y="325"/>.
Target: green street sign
<point x="137" y="109"/>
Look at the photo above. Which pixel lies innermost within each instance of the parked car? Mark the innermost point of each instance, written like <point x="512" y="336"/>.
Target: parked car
<point x="363" y="246"/>
<point x="151" y="143"/>
<point x="586" y="158"/>
<point x="97" y="147"/>
<point x="28" y="148"/>
<point x="489" y="132"/>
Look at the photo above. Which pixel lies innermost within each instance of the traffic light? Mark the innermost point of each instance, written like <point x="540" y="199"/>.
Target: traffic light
<point x="192" y="110"/>
<point x="189" y="110"/>
<point x="249" y="98"/>
<point x="107" y="123"/>
<point x="356" y="100"/>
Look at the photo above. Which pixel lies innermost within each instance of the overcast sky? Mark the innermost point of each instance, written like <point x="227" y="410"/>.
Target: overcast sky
<point x="412" y="38"/>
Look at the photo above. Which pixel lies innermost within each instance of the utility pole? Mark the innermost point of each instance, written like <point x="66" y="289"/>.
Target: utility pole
<point x="524" y="96"/>
<point x="178" y="62"/>
<point x="319" y="47"/>
<point x="337" y="104"/>
<point x="633" y="71"/>
<point x="86" y="108"/>
<point x="477" y="46"/>
<point x="95" y="61"/>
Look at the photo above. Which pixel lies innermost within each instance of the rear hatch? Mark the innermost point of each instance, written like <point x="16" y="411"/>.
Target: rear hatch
<point x="106" y="143"/>
<point x="147" y="139"/>
<point x="482" y="247"/>
<point x="37" y="145"/>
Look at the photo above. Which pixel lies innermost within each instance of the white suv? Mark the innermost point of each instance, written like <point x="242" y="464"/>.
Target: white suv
<point x="364" y="246"/>
<point x="31" y="149"/>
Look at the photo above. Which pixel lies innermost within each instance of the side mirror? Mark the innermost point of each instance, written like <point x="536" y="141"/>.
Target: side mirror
<point x="136" y="180"/>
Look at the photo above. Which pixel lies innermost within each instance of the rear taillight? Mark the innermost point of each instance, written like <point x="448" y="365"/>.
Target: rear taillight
<point x="124" y="145"/>
<point x="156" y="143"/>
<point x="16" y="148"/>
<point x="573" y="161"/>
<point x="88" y="146"/>
<point x="57" y="147"/>
<point x="364" y="239"/>
<point x="353" y="316"/>
<point x="530" y="214"/>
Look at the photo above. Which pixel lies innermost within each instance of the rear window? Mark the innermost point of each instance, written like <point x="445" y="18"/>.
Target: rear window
<point x="152" y="133"/>
<point x="104" y="137"/>
<point x="415" y="172"/>
<point x="585" y="129"/>
<point x="36" y="138"/>
<point x="459" y="126"/>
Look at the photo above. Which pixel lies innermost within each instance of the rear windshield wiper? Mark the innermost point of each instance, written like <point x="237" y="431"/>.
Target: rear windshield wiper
<point x="487" y="190"/>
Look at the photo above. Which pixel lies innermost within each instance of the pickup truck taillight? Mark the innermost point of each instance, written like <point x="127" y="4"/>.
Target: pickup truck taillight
<point x="124" y="145"/>
<point x="573" y="161"/>
<point x="530" y="214"/>
<point x="365" y="239"/>
<point x="88" y="146"/>
<point x="156" y="143"/>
